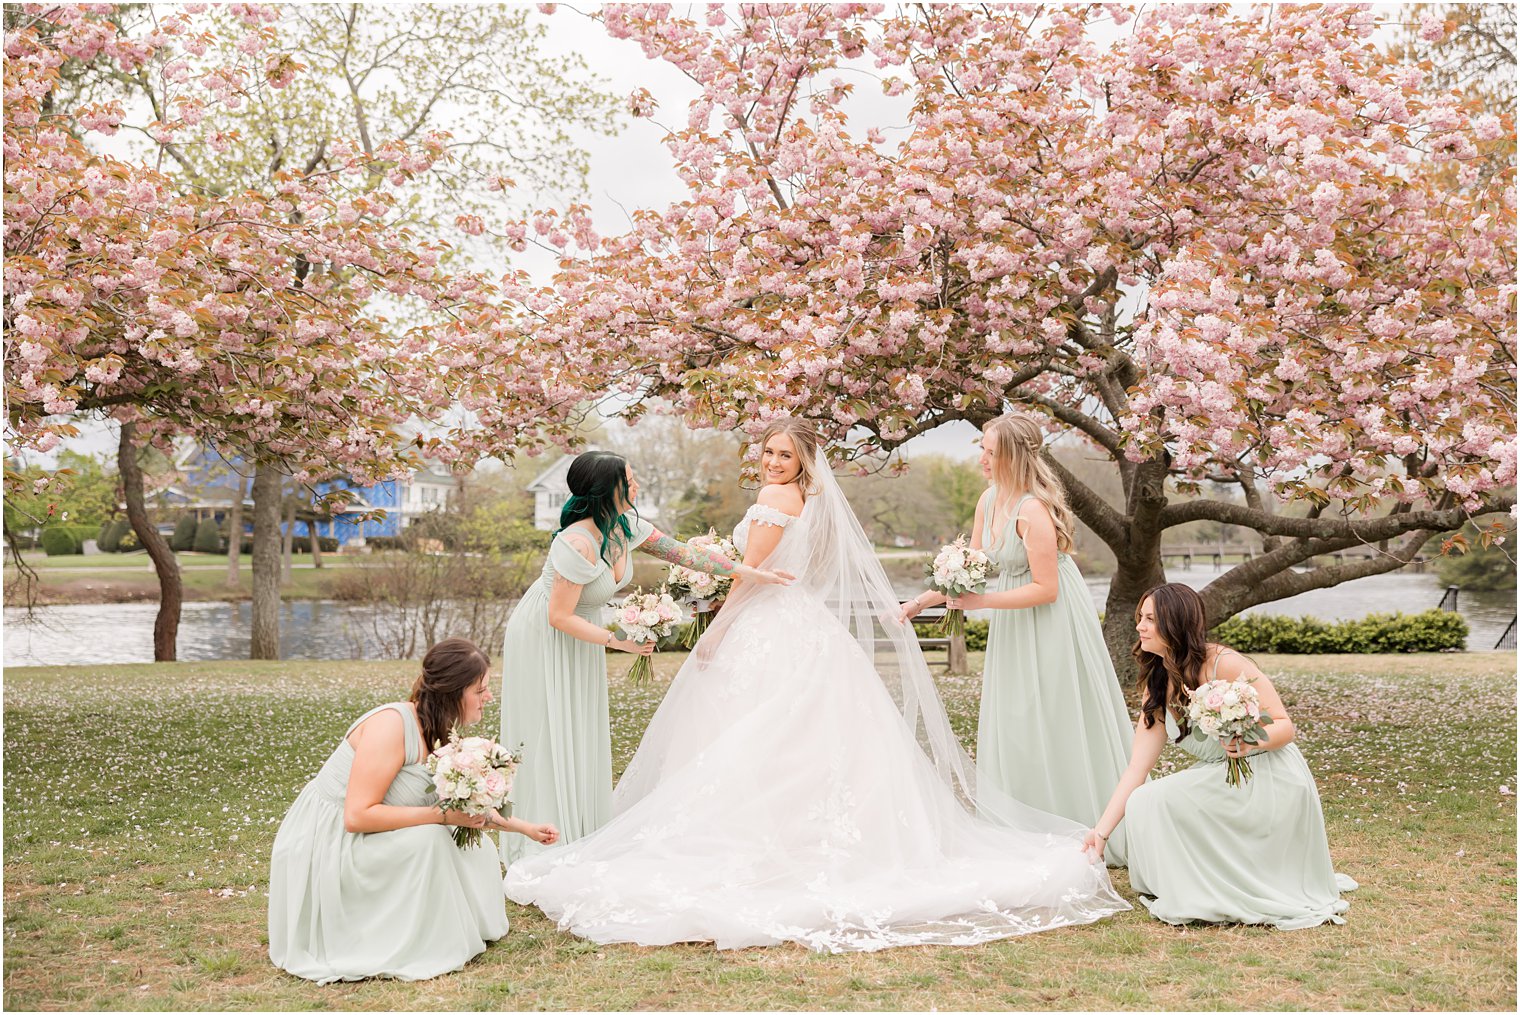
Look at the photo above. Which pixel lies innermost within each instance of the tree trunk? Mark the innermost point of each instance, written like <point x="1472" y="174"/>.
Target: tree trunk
<point x="1132" y="579"/>
<point x="290" y="540"/>
<point x="316" y="543"/>
<point x="235" y="532"/>
<point x="265" y="641"/>
<point x="171" y="589"/>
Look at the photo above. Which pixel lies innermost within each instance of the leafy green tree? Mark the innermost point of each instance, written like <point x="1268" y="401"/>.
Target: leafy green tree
<point x="1485" y="566"/>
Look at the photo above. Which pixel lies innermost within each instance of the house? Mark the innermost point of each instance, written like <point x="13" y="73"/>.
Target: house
<point x="550" y="491"/>
<point x="206" y="487"/>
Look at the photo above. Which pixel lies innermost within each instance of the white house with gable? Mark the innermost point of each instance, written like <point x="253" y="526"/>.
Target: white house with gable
<point x="550" y="491"/>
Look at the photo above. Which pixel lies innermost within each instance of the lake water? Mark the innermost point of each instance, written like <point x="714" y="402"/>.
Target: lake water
<point x="123" y="632"/>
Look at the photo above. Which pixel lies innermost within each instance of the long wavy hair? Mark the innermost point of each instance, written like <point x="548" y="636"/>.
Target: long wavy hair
<point x="450" y="668"/>
<point x="805" y="441"/>
<point x="1182" y="624"/>
<point x="598" y="482"/>
<point x="1018" y="464"/>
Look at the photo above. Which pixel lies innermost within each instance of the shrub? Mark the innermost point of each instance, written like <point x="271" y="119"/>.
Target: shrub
<point x="976" y="635"/>
<point x="129" y="541"/>
<point x="100" y="537"/>
<point x="184" y="534"/>
<point x="208" y="537"/>
<point x="111" y="541"/>
<point x="1430" y="631"/>
<point x="60" y="541"/>
<point x="302" y="544"/>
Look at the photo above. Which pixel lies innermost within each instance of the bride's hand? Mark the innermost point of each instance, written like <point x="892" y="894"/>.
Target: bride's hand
<point x="751" y="574"/>
<point x="544" y="835"/>
<point x="910" y="609"/>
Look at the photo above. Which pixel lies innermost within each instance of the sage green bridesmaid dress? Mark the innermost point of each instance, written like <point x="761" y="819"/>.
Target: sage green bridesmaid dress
<point x="406" y="904"/>
<point x="554" y="701"/>
<point x="1252" y="853"/>
<point x="1054" y="732"/>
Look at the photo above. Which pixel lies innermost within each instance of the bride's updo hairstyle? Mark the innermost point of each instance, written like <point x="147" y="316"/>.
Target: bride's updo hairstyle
<point x="805" y="441"/>
<point x="598" y="482"/>
<point x="449" y="669"/>
<point x="1017" y="464"/>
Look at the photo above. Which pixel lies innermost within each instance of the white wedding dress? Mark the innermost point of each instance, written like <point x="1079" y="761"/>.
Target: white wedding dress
<point x="800" y="783"/>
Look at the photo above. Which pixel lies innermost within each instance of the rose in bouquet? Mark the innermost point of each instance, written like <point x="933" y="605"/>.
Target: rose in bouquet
<point x="474" y="775"/>
<point x="956" y="570"/>
<point x="1226" y="710"/>
<point x="647" y="617"/>
<point x="703" y="592"/>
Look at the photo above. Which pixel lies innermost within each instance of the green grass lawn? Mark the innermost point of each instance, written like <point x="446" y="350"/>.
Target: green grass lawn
<point x="129" y="577"/>
<point x="141" y="802"/>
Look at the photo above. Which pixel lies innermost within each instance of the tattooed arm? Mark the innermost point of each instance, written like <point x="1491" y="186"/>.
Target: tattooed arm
<point x="673" y="551"/>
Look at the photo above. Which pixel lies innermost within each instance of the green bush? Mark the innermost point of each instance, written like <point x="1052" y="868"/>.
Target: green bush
<point x="112" y="541"/>
<point x="61" y="541"/>
<point x="1430" y="631"/>
<point x="184" y="534"/>
<point x="302" y="544"/>
<point x="129" y="542"/>
<point x="208" y="537"/>
<point x="100" y="537"/>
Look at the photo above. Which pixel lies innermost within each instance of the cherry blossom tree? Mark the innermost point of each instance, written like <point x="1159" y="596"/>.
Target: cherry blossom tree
<point x="304" y="325"/>
<point x="1220" y="243"/>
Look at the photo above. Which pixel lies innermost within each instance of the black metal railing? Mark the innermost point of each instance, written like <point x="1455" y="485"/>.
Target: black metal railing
<point x="1449" y="599"/>
<point x="1507" y="639"/>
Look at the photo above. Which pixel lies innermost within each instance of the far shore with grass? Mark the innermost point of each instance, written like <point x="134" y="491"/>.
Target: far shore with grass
<point x="141" y="802"/>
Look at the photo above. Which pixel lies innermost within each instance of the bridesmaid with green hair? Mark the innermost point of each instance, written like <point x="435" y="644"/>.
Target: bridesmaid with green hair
<point x="1199" y="848"/>
<point x="1054" y="731"/>
<point x="554" y="683"/>
<point x="365" y="879"/>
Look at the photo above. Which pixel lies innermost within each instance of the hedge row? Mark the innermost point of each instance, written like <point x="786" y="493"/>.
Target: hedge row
<point x="1430" y="631"/>
<point x="63" y="540"/>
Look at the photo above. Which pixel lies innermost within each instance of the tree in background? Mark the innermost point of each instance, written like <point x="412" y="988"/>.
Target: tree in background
<point x="1241" y="246"/>
<point x="300" y="324"/>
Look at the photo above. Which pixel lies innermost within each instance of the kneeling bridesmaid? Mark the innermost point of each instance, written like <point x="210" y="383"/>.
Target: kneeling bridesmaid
<point x="365" y="879"/>
<point x="1199" y="848"/>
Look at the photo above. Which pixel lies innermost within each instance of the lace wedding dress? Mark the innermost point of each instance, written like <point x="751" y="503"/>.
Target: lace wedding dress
<point x="800" y="782"/>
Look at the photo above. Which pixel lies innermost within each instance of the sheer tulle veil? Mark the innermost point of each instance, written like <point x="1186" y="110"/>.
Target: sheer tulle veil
<point x="834" y="561"/>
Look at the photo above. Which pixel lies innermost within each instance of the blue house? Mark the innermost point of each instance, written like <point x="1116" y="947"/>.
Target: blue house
<point x="208" y="484"/>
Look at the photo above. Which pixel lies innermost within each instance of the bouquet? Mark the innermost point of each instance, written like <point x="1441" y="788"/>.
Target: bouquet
<point x="474" y="775"/>
<point x="1226" y="709"/>
<point x="702" y="591"/>
<point x="647" y="617"/>
<point x="956" y="570"/>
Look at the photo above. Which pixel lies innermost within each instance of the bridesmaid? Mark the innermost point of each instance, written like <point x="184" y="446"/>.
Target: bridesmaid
<point x="1200" y="848"/>
<point x="554" y="688"/>
<point x="1053" y="731"/>
<point x="365" y="880"/>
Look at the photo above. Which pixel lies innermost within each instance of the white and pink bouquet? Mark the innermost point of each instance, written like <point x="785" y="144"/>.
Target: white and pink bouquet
<point x="647" y="617"/>
<point x="474" y="775"/>
<point x="1225" y="710"/>
<point x="703" y="592"/>
<point x="956" y="570"/>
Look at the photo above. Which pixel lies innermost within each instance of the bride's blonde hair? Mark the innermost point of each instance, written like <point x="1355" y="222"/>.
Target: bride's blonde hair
<point x="1017" y="464"/>
<point x="805" y="441"/>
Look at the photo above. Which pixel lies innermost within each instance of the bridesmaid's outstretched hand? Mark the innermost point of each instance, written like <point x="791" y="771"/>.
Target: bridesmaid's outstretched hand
<point x="1093" y="845"/>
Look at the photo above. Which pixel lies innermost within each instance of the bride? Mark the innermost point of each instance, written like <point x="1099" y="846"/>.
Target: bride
<point x="800" y="781"/>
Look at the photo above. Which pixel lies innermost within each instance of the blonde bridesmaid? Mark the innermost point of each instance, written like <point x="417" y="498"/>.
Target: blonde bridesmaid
<point x="1053" y="731"/>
